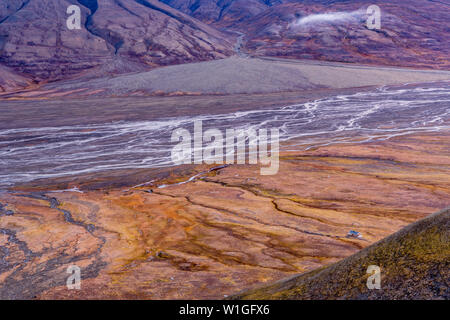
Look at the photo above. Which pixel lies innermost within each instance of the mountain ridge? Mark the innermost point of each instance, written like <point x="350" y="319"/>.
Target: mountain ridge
<point x="146" y="34"/>
<point x="120" y="37"/>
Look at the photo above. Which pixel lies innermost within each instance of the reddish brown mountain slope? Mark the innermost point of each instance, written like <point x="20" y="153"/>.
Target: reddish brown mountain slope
<point x="413" y="33"/>
<point x="120" y="36"/>
<point x="224" y="12"/>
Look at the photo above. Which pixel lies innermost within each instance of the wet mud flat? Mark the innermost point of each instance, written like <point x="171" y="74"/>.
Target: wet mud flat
<point x="159" y="234"/>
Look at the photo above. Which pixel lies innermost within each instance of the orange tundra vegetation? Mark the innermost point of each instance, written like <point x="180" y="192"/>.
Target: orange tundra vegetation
<point x="222" y="232"/>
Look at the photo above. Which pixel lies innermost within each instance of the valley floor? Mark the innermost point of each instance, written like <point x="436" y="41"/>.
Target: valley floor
<point x="223" y="232"/>
<point x="233" y="75"/>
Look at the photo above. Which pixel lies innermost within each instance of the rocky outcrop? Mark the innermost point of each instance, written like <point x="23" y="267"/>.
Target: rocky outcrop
<point x="10" y="80"/>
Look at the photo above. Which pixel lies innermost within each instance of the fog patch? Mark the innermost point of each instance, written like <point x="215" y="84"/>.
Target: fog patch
<point x="330" y="18"/>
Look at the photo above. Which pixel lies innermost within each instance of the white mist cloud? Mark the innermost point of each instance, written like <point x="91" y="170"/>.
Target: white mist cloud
<point x="333" y="17"/>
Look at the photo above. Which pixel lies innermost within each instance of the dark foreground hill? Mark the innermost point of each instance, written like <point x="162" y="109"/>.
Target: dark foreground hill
<point x="414" y="262"/>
